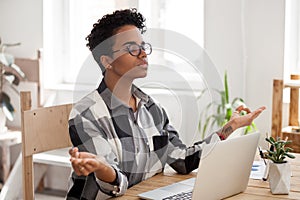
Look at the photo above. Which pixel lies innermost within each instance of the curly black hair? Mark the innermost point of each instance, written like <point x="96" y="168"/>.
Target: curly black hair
<point x="107" y="26"/>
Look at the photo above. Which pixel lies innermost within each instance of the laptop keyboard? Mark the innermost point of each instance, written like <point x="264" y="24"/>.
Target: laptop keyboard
<point x="180" y="196"/>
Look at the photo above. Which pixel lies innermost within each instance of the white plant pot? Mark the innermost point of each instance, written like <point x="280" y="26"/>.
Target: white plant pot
<point x="280" y="178"/>
<point x="3" y="127"/>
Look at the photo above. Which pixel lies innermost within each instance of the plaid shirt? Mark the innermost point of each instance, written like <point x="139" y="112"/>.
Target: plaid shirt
<point x="137" y="145"/>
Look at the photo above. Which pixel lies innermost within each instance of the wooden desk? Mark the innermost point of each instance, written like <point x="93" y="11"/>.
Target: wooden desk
<point x="257" y="189"/>
<point x="6" y="141"/>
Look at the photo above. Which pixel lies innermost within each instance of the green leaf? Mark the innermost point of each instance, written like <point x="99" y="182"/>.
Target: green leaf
<point x="237" y="99"/>
<point x="226" y="88"/>
<point x="288" y="142"/>
<point x="253" y="126"/>
<point x="290" y="155"/>
<point x="228" y="113"/>
<point x="288" y="149"/>
<point x="223" y="99"/>
<point x="7" y="107"/>
<point x="202" y="92"/>
<point x="270" y="140"/>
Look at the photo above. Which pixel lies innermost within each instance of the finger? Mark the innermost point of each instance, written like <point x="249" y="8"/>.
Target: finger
<point x="83" y="171"/>
<point x="256" y="113"/>
<point x="76" y="168"/>
<point x="262" y="108"/>
<point x="90" y="163"/>
<point x="89" y="168"/>
<point x="74" y="162"/>
<point x="86" y="155"/>
<point x="95" y="162"/>
<point x="74" y="152"/>
<point x="247" y="110"/>
<point x="236" y="112"/>
<point x="71" y="150"/>
<point x="77" y="164"/>
<point x="240" y="108"/>
<point x="259" y="110"/>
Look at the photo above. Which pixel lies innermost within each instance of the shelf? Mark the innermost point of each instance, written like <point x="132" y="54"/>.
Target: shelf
<point x="292" y="135"/>
<point x="277" y="101"/>
<point x="292" y="84"/>
<point x="291" y="129"/>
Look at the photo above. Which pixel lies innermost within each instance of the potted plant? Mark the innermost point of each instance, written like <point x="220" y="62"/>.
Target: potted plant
<point x="279" y="167"/>
<point x="10" y="74"/>
<point x="223" y="112"/>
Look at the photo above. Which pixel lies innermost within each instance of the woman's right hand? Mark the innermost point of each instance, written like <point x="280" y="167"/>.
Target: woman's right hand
<point x="84" y="163"/>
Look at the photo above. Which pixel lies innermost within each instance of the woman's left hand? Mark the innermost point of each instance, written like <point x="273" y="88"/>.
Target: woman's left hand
<point x="247" y="119"/>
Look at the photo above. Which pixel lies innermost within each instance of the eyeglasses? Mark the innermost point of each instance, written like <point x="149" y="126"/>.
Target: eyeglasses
<point x="135" y="49"/>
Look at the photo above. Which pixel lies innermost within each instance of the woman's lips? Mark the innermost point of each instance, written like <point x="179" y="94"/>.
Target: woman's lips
<point x="143" y="64"/>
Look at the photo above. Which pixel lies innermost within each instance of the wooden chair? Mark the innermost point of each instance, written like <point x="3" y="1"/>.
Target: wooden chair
<point x="43" y="129"/>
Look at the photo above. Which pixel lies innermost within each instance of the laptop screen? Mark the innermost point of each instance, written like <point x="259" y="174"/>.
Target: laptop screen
<point x="223" y="171"/>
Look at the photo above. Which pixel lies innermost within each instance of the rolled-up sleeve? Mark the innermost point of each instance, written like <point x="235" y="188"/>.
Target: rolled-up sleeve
<point x="117" y="188"/>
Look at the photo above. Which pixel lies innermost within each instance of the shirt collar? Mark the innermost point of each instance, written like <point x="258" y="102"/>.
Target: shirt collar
<point x="113" y="102"/>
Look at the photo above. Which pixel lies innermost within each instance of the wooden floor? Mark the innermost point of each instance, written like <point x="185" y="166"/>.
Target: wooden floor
<point x="47" y="197"/>
<point x="50" y="194"/>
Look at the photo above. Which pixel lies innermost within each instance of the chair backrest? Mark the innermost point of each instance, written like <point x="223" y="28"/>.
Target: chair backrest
<point x="43" y="129"/>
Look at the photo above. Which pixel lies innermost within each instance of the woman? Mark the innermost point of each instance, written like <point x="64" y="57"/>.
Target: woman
<point x="121" y="136"/>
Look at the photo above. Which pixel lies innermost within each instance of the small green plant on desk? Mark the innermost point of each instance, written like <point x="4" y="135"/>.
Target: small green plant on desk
<point x="279" y="168"/>
<point x="278" y="151"/>
<point x="223" y="113"/>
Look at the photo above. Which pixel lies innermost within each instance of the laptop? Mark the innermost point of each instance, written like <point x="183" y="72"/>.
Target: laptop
<point x="223" y="171"/>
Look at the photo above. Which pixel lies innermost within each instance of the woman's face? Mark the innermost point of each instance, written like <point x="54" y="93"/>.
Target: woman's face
<point x="124" y="64"/>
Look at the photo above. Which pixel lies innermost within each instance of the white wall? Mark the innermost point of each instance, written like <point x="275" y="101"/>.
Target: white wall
<point x="265" y="53"/>
<point x="246" y="37"/>
<point x="21" y="21"/>
<point x="223" y="41"/>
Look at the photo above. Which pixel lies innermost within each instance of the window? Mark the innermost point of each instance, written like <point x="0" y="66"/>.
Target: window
<point x="68" y="22"/>
<point x="292" y="39"/>
<point x="292" y="43"/>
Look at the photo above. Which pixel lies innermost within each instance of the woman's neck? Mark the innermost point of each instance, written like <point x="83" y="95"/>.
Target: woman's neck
<point x="121" y="88"/>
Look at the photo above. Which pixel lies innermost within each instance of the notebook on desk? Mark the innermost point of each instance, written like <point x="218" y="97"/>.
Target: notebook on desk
<point x="223" y="171"/>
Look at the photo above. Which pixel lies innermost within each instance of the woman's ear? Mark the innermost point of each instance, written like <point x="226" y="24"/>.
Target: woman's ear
<point x="106" y="61"/>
